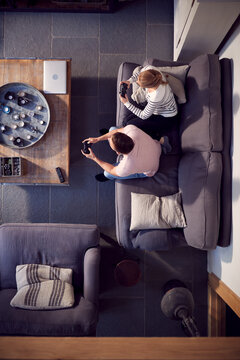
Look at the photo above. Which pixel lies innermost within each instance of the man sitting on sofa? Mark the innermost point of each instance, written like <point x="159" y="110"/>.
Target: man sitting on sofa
<point x="140" y="153"/>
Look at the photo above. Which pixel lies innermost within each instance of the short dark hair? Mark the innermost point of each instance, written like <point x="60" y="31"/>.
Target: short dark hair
<point x="122" y="143"/>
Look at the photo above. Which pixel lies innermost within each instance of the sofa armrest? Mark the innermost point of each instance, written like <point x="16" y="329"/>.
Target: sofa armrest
<point x="124" y="73"/>
<point x="91" y="274"/>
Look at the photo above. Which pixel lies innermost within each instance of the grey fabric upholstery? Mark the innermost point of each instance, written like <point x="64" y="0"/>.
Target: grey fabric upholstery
<point x="226" y="185"/>
<point x="199" y="182"/>
<point x="201" y="116"/>
<point x="200" y="167"/>
<point x="79" y="320"/>
<point x="64" y="245"/>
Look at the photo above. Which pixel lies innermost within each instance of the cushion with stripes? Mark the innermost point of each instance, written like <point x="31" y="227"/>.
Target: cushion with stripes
<point x="42" y="287"/>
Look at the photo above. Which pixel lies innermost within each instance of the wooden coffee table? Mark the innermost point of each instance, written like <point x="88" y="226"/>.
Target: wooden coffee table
<point x="40" y="160"/>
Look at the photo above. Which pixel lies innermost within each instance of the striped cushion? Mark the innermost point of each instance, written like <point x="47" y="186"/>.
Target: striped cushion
<point x="33" y="273"/>
<point x="43" y="287"/>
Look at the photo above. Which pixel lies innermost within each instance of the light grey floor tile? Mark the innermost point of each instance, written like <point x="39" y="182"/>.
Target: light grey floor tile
<point x="109" y="286"/>
<point x="106" y="207"/>
<point x="84" y="124"/>
<point x="84" y="54"/>
<point x="167" y="265"/>
<point x="75" y="25"/>
<point x="121" y="317"/>
<point x="109" y="65"/>
<point x="27" y="34"/>
<point x="25" y="203"/>
<point x="75" y="203"/>
<point x="123" y="32"/>
<point x="107" y="120"/>
<point x="160" y="42"/>
<point x="160" y="12"/>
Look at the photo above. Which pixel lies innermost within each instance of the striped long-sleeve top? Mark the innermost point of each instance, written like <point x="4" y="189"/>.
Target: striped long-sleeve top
<point x="159" y="102"/>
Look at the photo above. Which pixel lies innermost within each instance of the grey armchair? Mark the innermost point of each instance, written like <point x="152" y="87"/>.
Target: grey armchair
<point x="63" y="245"/>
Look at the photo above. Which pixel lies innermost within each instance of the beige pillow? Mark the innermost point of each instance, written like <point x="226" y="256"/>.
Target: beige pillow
<point x="178" y="72"/>
<point x="177" y="88"/>
<point x="153" y="212"/>
<point x="47" y="295"/>
<point x="42" y="287"/>
<point x="28" y="274"/>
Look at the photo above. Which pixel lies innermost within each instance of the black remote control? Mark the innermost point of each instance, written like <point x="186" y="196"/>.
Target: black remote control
<point x="60" y="174"/>
<point x="123" y="89"/>
<point x="86" y="147"/>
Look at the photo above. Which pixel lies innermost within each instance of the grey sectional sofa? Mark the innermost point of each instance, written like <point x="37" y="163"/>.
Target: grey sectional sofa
<point x="60" y="245"/>
<point x="199" y="165"/>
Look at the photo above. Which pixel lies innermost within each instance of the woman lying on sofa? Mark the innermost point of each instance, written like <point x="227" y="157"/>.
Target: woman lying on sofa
<point x="159" y="96"/>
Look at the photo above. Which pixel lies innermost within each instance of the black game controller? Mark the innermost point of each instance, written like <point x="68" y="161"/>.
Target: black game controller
<point x="86" y="147"/>
<point x="123" y="89"/>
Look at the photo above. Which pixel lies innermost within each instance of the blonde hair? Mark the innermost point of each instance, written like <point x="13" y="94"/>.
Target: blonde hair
<point x="151" y="78"/>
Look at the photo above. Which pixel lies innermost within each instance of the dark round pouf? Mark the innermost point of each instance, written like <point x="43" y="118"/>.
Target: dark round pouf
<point x="127" y="273"/>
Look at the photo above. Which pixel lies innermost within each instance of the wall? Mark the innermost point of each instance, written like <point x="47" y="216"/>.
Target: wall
<point x="225" y="262"/>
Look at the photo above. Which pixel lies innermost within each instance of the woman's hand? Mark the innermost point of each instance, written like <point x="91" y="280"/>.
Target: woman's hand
<point x="91" y="140"/>
<point x="126" y="82"/>
<point x="91" y="154"/>
<point x="123" y="99"/>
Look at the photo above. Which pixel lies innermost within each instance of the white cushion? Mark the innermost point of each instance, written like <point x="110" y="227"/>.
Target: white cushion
<point x="177" y="88"/>
<point x="27" y="274"/>
<point x="153" y="212"/>
<point x="47" y="295"/>
<point x="43" y="287"/>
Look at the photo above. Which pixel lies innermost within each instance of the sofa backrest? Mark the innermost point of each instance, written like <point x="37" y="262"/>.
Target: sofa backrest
<point x="61" y="245"/>
<point x="201" y="116"/>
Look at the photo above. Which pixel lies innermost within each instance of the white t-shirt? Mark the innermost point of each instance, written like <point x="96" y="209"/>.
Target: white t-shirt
<point x="144" y="157"/>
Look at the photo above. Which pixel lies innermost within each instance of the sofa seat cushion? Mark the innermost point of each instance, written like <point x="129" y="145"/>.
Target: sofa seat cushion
<point x="164" y="182"/>
<point x="201" y="116"/>
<point x="199" y="182"/>
<point x="79" y="320"/>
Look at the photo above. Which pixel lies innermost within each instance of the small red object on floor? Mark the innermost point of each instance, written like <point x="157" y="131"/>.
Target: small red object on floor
<point x="127" y="272"/>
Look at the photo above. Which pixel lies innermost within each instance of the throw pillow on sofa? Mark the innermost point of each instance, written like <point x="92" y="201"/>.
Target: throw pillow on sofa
<point x="47" y="295"/>
<point x="153" y="212"/>
<point x="43" y="287"/>
<point x="27" y="274"/>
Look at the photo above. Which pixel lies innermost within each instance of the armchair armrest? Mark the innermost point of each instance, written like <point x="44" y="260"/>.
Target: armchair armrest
<point x="91" y="275"/>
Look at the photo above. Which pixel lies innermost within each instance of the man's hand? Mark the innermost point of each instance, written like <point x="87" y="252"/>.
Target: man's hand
<point x="91" y="140"/>
<point x="91" y="154"/>
<point x="123" y="99"/>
